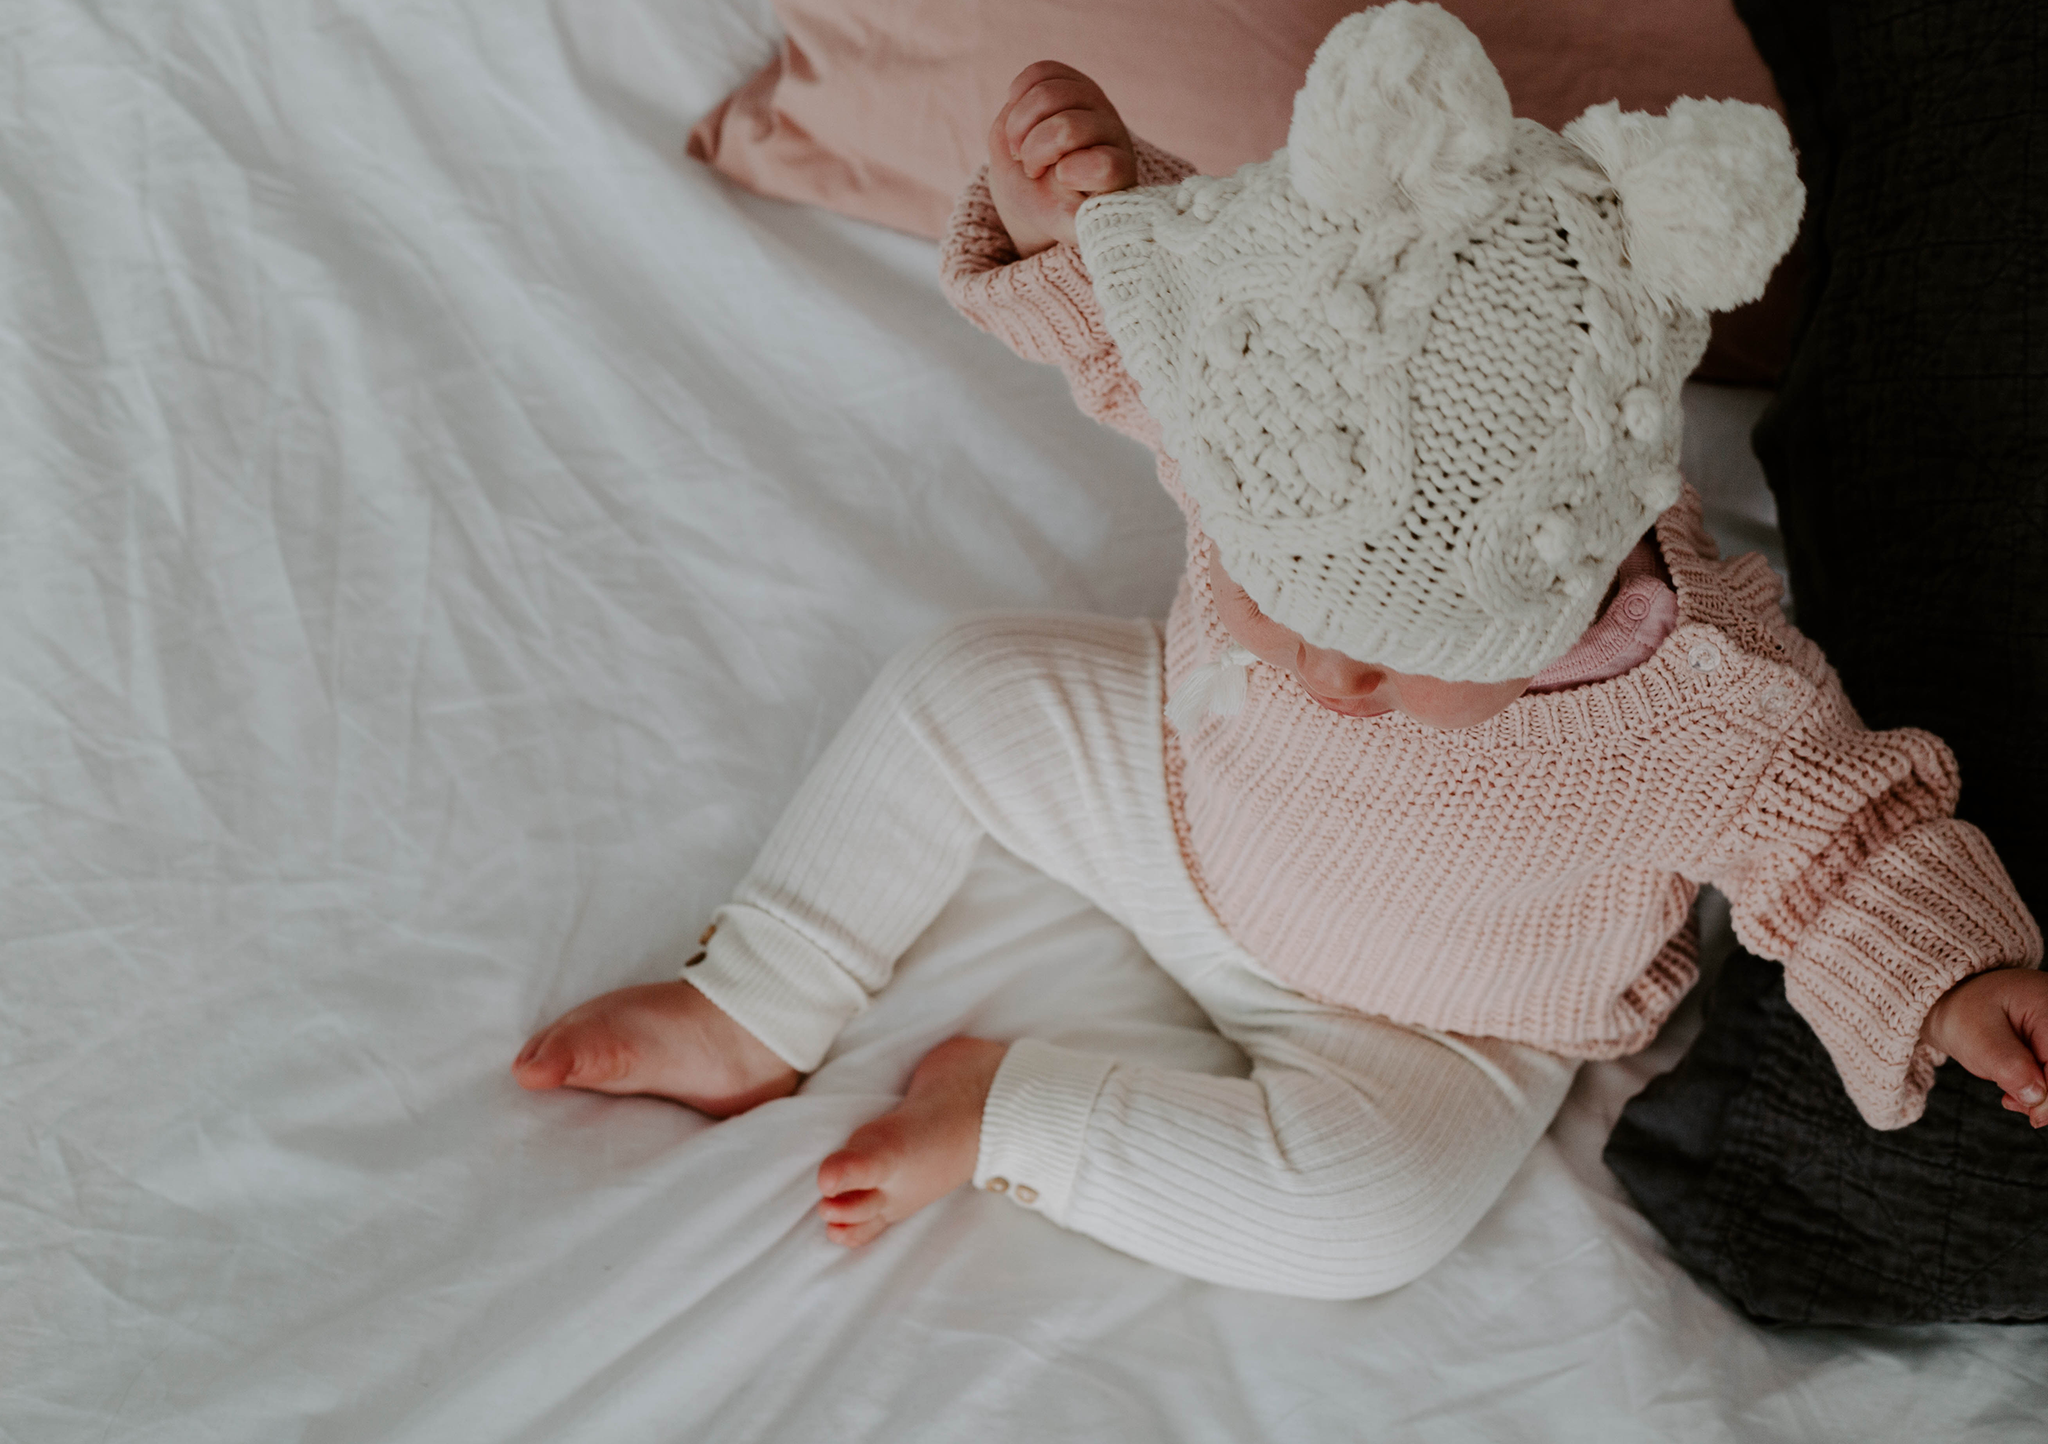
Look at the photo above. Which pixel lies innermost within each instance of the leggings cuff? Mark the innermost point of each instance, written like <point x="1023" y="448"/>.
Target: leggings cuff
<point x="1035" y="1123"/>
<point x="777" y="984"/>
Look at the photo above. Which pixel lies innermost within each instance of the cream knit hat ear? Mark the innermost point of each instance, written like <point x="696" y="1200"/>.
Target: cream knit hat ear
<point x="1421" y="369"/>
<point x="1401" y="110"/>
<point x="1710" y="196"/>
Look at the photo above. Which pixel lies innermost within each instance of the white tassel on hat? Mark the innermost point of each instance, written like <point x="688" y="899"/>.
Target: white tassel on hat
<point x="1214" y="687"/>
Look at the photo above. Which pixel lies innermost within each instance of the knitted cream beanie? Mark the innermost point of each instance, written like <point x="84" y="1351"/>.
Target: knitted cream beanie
<point x="1421" y="368"/>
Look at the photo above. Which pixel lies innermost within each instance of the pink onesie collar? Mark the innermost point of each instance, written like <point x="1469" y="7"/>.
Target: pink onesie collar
<point x="1641" y="613"/>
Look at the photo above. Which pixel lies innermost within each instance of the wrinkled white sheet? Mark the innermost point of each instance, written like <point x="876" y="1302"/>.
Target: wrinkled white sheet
<point x="437" y="526"/>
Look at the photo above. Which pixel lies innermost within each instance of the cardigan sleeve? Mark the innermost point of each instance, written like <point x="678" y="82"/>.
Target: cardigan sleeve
<point x="1850" y="868"/>
<point x="1043" y="307"/>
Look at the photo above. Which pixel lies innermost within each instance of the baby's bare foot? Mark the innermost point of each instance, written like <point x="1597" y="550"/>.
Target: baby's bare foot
<point x="894" y="1166"/>
<point x="666" y="1039"/>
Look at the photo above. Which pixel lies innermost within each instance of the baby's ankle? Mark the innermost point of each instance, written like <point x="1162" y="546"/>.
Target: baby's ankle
<point x="753" y="1073"/>
<point x="664" y="1039"/>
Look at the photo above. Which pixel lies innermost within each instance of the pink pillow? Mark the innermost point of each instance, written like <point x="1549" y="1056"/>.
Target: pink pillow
<point x="880" y="108"/>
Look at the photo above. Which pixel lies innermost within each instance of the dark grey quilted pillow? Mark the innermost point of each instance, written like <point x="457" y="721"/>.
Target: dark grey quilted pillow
<point x="1908" y="448"/>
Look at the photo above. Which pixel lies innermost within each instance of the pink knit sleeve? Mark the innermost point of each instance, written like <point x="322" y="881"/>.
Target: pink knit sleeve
<point x="1850" y="868"/>
<point x="1043" y="307"/>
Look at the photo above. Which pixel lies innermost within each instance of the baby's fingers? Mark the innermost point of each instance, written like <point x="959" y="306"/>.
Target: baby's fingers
<point x="2026" y="1007"/>
<point x="1996" y="1025"/>
<point x="1062" y="133"/>
<point x="1039" y="70"/>
<point x="2010" y="1064"/>
<point x="1098" y="169"/>
<point x="1044" y="89"/>
<point x="1044" y="100"/>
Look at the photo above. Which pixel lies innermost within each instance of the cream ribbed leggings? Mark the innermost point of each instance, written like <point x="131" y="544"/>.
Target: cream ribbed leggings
<point x="1358" y="1152"/>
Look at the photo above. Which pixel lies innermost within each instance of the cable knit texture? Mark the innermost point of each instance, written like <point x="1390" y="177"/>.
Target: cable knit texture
<point x="1530" y="878"/>
<point x="1421" y="369"/>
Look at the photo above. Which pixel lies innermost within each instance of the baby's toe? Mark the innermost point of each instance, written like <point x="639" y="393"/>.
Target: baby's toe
<point x="849" y="1172"/>
<point x="582" y="1054"/>
<point x="853" y="1235"/>
<point x="857" y="1207"/>
<point x="864" y="1163"/>
<point x="541" y="1063"/>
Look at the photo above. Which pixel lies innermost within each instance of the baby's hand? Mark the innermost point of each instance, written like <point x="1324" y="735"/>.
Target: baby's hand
<point x="1056" y="142"/>
<point x="1996" y="1025"/>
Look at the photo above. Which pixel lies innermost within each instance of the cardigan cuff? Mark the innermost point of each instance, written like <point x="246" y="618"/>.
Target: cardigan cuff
<point x="1035" y="1123"/>
<point x="1930" y="908"/>
<point x="1043" y="306"/>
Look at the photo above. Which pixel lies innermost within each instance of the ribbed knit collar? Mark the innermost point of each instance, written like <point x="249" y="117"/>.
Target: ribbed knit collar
<point x="1714" y="658"/>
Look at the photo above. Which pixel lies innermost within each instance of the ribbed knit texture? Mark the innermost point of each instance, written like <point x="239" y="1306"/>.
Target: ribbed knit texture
<point x="1530" y="878"/>
<point x="1356" y="1154"/>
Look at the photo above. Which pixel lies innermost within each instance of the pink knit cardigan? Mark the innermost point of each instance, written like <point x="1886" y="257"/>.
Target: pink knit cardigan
<point x="1531" y="878"/>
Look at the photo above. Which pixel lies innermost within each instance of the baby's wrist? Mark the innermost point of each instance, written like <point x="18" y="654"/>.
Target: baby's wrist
<point x="1935" y="1026"/>
<point x="1028" y="236"/>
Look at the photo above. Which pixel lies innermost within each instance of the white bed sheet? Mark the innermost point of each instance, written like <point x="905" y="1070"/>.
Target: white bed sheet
<point x="438" y="524"/>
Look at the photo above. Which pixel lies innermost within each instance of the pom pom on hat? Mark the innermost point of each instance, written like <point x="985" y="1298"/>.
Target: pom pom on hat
<point x="1401" y="110"/>
<point x="1421" y="369"/>
<point x="1710" y="196"/>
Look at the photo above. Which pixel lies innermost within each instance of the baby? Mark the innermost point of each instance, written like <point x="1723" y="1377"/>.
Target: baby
<point x="1464" y="705"/>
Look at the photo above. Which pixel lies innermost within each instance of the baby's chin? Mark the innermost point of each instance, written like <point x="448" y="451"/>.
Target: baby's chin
<point x="1437" y="719"/>
<point x="1353" y="707"/>
<point x="1455" y="718"/>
